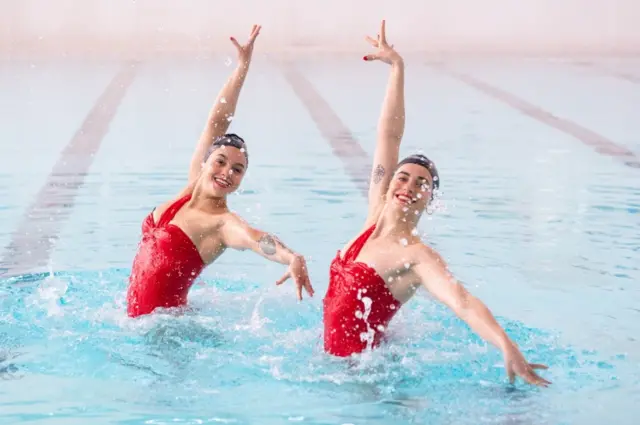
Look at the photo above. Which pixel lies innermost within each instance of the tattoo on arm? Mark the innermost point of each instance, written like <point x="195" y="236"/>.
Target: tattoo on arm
<point x="378" y="174"/>
<point x="268" y="244"/>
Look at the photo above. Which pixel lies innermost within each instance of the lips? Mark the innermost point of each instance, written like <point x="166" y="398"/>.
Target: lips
<point x="221" y="182"/>
<point x="404" y="198"/>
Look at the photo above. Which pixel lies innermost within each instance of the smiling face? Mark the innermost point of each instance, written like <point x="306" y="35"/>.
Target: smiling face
<point x="223" y="171"/>
<point x="410" y="189"/>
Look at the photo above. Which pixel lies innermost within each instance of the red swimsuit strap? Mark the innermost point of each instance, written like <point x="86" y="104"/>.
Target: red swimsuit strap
<point x="170" y="212"/>
<point x="354" y="250"/>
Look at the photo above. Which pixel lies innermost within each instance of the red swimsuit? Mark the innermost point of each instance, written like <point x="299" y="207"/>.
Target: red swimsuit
<point x="165" y="266"/>
<point x="358" y="306"/>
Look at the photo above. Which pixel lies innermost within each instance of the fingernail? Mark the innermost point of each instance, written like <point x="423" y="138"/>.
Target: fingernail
<point x="365" y="58"/>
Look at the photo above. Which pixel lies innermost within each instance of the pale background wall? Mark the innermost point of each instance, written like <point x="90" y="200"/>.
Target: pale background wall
<point x="514" y="25"/>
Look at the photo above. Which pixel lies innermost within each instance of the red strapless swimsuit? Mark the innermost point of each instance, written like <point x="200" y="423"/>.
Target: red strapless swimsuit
<point x="358" y="306"/>
<point x="165" y="266"/>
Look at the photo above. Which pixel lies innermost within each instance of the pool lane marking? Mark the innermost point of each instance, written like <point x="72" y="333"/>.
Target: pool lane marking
<point x="31" y="243"/>
<point x="599" y="143"/>
<point x="608" y="71"/>
<point x="355" y="160"/>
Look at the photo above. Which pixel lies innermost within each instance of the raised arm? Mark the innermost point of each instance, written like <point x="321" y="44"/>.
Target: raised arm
<point x="390" y="124"/>
<point x="224" y="108"/>
<point x="436" y="278"/>
<point x="239" y="235"/>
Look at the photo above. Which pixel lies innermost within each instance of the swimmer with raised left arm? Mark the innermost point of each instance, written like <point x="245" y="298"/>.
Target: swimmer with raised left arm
<point x="382" y="268"/>
<point x="184" y="235"/>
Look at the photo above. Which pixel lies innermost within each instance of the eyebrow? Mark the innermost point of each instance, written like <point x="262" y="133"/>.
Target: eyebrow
<point x="240" y="164"/>
<point x="409" y="175"/>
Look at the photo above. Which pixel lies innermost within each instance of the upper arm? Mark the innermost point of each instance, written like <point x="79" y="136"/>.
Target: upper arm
<point x="238" y="234"/>
<point x="204" y="143"/>
<point x="385" y="160"/>
<point x="434" y="275"/>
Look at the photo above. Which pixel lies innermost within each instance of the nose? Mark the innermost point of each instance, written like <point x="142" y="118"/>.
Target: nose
<point x="407" y="187"/>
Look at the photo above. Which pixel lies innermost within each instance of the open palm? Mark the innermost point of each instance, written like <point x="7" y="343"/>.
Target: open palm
<point x="385" y="51"/>
<point x="246" y="50"/>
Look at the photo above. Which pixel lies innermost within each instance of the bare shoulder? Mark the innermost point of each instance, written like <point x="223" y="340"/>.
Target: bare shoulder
<point x="235" y="229"/>
<point x="233" y="220"/>
<point x="426" y="256"/>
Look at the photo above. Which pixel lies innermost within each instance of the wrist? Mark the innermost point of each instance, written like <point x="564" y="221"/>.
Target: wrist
<point x="505" y="344"/>
<point x="397" y="63"/>
<point x="294" y="257"/>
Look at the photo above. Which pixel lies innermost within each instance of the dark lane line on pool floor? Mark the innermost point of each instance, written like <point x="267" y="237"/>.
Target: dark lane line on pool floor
<point x="599" y="143"/>
<point x="355" y="160"/>
<point x="608" y="71"/>
<point x="31" y="243"/>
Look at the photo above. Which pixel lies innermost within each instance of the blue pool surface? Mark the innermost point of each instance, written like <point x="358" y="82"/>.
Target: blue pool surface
<point x="537" y="224"/>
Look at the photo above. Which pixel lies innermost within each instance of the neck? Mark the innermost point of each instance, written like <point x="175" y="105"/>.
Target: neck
<point x="395" y="222"/>
<point x="210" y="204"/>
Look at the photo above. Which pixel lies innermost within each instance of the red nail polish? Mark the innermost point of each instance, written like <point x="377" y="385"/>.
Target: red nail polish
<point x="365" y="58"/>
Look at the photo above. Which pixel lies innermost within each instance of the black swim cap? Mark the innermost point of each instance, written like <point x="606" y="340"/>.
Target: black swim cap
<point x="229" y="139"/>
<point x="426" y="163"/>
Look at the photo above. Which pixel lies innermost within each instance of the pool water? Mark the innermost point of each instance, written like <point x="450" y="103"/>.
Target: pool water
<point x="540" y="226"/>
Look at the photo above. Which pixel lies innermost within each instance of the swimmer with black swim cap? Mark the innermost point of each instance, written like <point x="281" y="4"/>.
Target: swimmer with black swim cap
<point x="386" y="263"/>
<point x="184" y="235"/>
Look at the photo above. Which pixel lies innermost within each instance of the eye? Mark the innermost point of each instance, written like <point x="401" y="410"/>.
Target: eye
<point x="237" y="170"/>
<point x="220" y="161"/>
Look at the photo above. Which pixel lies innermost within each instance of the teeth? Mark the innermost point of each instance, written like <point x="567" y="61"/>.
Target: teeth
<point x="222" y="182"/>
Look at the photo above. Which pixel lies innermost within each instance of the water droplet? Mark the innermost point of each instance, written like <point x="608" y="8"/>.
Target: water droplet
<point x="404" y="242"/>
<point x="380" y="328"/>
<point x="242" y="150"/>
<point x="230" y="118"/>
<point x="223" y="100"/>
<point x="358" y="314"/>
<point x="407" y="265"/>
<point x="228" y="61"/>
<point x="414" y="232"/>
<point x="419" y="195"/>
<point x="390" y="279"/>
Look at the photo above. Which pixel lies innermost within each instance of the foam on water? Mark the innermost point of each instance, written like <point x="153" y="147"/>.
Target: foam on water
<point x="245" y="355"/>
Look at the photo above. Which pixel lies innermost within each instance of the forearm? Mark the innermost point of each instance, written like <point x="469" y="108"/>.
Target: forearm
<point x="392" y="117"/>
<point x="274" y="249"/>
<point x="224" y="108"/>
<point x="482" y="321"/>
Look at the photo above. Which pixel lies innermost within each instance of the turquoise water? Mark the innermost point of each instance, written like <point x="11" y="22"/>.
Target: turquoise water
<point x="538" y="225"/>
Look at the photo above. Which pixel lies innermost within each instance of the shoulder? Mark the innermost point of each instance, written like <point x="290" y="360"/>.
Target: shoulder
<point x="425" y="256"/>
<point x="232" y="223"/>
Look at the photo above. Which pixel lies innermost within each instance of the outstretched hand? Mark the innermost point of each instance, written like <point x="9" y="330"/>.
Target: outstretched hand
<point x="516" y="364"/>
<point x="385" y="51"/>
<point x="246" y="50"/>
<point x="298" y="271"/>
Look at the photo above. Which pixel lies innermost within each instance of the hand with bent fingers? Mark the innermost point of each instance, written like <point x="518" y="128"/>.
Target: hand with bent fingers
<point x="385" y="52"/>
<point x="246" y="50"/>
<point x="298" y="271"/>
<point x="516" y="364"/>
